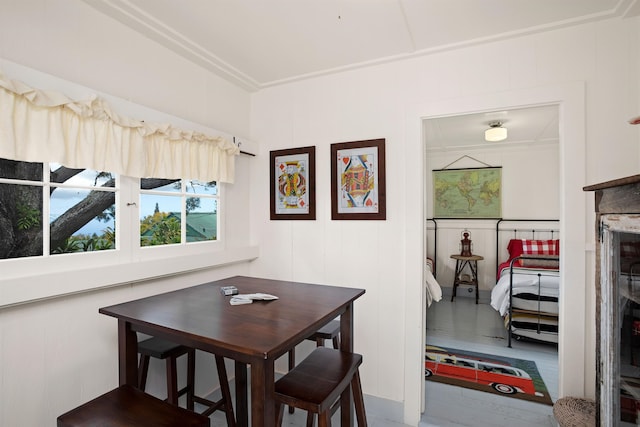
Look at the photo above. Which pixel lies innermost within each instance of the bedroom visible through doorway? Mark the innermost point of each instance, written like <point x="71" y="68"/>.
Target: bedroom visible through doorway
<point x="529" y="160"/>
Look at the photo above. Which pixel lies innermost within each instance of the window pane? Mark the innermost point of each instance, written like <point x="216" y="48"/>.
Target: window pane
<point x="164" y="185"/>
<point x="199" y="187"/>
<point x="202" y="214"/>
<point x="161" y="216"/>
<point x="79" y="177"/>
<point x="159" y="219"/>
<point x="81" y="220"/>
<point x="20" y="220"/>
<point x="20" y="170"/>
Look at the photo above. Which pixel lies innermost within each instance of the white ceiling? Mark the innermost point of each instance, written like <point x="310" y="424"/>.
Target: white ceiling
<point x="260" y="43"/>
<point x="525" y="125"/>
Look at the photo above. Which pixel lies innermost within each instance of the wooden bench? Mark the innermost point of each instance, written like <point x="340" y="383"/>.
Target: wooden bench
<point x="128" y="406"/>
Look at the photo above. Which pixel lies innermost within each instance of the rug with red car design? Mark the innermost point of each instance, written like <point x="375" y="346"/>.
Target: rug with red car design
<point x="506" y="376"/>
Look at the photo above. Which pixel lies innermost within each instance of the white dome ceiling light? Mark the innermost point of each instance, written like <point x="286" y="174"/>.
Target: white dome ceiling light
<point x="495" y="132"/>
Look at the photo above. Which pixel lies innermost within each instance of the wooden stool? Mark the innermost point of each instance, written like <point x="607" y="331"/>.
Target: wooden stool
<point x="316" y="383"/>
<point x="128" y="406"/>
<point x="166" y="350"/>
<point x="330" y="331"/>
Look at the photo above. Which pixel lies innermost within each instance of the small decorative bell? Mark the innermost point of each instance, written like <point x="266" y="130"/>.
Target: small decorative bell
<point x="465" y="244"/>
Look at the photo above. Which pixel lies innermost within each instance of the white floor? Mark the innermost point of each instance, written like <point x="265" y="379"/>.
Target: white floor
<point x="299" y="419"/>
<point x="463" y="324"/>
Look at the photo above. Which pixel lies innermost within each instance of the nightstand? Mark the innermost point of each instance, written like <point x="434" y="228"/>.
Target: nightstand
<point x="465" y="279"/>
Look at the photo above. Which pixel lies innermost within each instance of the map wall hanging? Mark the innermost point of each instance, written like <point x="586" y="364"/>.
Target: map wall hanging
<point x="467" y="193"/>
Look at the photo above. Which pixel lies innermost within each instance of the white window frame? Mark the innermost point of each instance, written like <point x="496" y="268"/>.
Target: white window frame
<point x="38" y="278"/>
<point x="25" y="280"/>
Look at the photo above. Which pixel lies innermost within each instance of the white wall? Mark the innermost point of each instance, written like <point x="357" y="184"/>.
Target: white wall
<point x="70" y="40"/>
<point x="56" y="354"/>
<point x="59" y="353"/>
<point x="530" y="176"/>
<point x="390" y="101"/>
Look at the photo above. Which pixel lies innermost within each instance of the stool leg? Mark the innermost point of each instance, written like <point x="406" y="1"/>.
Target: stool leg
<point x="191" y="378"/>
<point x="456" y="279"/>
<point x="172" y="381"/>
<point x="309" y="419"/>
<point x="336" y="343"/>
<point x="279" y="414"/>
<point x="319" y="342"/>
<point x="292" y="364"/>
<point x="226" y="393"/>
<point x="358" y="400"/>
<point x="476" y="291"/>
<point x="474" y="276"/>
<point x="143" y="370"/>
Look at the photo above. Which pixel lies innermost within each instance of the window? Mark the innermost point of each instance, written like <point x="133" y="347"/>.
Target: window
<point x="49" y="210"/>
<point x="79" y="205"/>
<point x="173" y="212"/>
<point x="57" y="239"/>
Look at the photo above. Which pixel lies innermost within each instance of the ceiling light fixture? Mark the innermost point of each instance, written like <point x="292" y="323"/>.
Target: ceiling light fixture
<point x="495" y="132"/>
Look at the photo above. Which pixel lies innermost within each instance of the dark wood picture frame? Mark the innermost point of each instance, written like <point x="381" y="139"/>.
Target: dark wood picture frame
<point x="352" y="162"/>
<point x="299" y="182"/>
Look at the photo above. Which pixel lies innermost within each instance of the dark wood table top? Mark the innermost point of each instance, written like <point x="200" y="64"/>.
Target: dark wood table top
<point x="266" y="329"/>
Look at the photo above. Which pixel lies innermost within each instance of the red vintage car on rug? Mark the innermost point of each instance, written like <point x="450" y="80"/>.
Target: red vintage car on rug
<point x="502" y="378"/>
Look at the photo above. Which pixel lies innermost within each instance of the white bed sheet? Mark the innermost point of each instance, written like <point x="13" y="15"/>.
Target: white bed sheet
<point x="524" y="281"/>
<point x="433" y="289"/>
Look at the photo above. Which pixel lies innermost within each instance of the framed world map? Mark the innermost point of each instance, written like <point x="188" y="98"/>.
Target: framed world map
<point x="467" y="193"/>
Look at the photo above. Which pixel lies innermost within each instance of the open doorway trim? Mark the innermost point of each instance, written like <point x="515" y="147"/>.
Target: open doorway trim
<point x="573" y="355"/>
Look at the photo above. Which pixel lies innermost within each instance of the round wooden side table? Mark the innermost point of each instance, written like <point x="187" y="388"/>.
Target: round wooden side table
<point x="461" y="263"/>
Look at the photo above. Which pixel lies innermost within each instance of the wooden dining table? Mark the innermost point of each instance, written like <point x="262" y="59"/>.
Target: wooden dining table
<point x="253" y="335"/>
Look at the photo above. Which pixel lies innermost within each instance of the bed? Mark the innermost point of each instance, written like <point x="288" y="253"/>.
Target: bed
<point x="527" y="290"/>
<point x="433" y="289"/>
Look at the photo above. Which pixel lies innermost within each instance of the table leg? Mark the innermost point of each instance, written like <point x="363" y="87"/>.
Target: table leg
<point x="242" y="403"/>
<point x="346" y="344"/>
<point x="263" y="413"/>
<point x="127" y="354"/>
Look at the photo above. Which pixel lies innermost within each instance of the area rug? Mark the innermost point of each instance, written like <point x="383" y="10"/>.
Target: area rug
<point x="506" y="376"/>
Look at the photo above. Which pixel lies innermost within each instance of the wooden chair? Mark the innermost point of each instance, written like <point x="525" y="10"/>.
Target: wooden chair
<point x="128" y="406"/>
<point x="330" y="331"/>
<point x="166" y="350"/>
<point x="315" y="385"/>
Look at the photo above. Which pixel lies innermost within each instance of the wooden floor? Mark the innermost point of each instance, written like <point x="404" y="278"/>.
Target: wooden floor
<point x="463" y="324"/>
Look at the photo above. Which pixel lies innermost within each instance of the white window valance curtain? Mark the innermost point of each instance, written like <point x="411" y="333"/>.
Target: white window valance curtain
<point x="45" y="126"/>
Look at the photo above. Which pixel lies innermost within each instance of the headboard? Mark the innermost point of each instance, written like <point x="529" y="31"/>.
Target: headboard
<point x="507" y="229"/>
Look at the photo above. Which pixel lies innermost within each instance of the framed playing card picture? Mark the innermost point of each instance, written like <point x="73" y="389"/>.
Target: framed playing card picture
<point x="358" y="180"/>
<point x="293" y="183"/>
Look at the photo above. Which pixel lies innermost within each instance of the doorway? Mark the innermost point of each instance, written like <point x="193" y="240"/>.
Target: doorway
<point x="576" y="358"/>
<point x="456" y="145"/>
